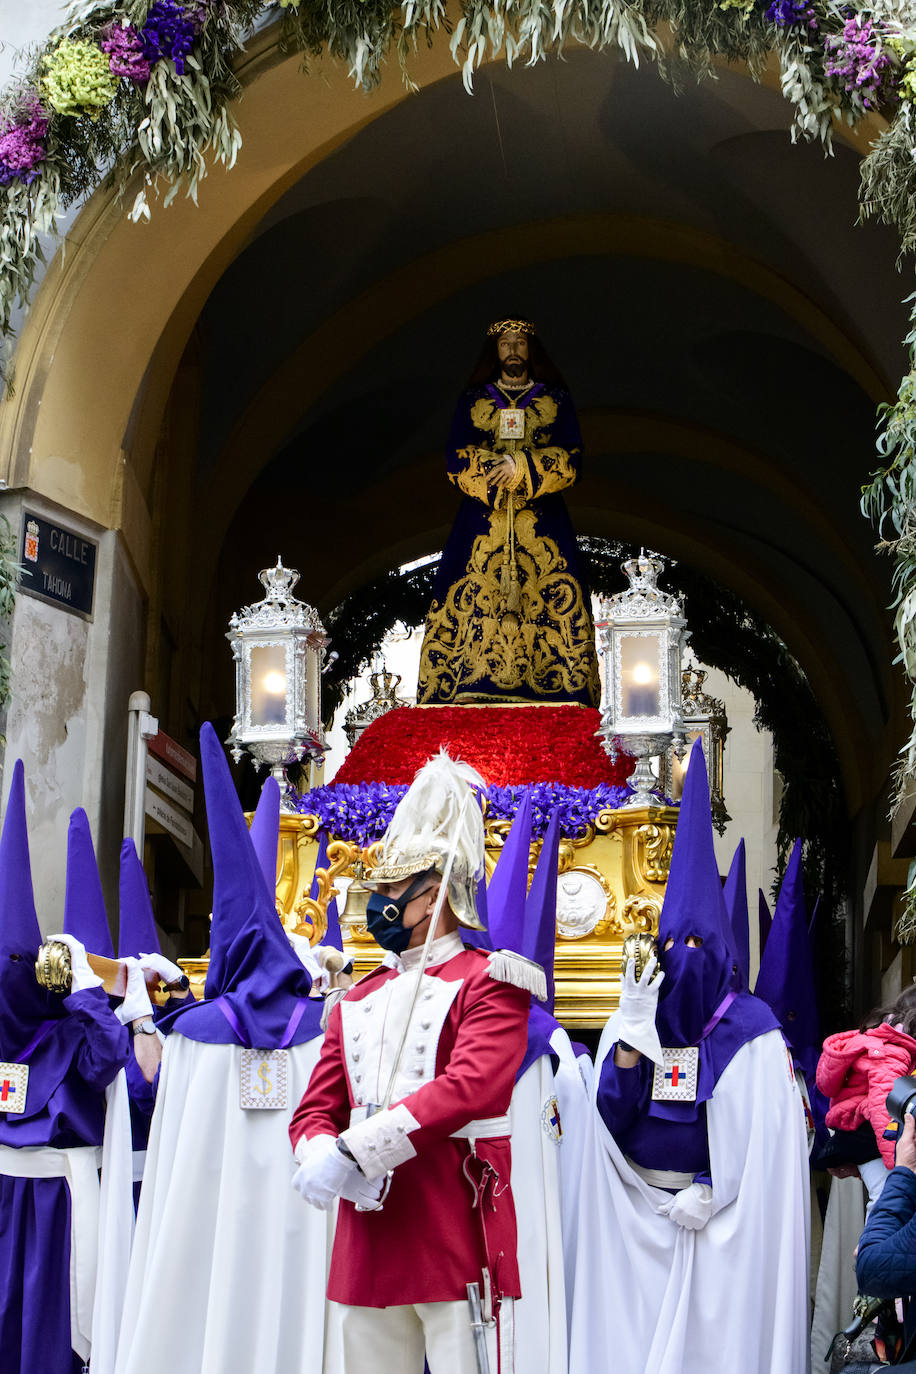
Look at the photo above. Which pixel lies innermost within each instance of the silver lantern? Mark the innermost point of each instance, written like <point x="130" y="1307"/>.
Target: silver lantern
<point x="278" y="645"/>
<point x="643" y="633"/>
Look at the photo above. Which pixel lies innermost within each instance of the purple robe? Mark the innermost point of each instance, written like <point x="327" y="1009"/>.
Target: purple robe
<point x="652" y="1142"/>
<point x="65" y="1106"/>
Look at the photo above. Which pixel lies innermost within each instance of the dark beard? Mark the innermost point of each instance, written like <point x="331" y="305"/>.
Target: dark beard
<point x="518" y="370"/>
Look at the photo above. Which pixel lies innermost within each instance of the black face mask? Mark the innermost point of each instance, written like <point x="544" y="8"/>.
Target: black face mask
<point x="385" y="916"/>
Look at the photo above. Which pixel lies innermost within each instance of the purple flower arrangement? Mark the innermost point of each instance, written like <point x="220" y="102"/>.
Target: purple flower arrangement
<point x="785" y="13"/>
<point x="856" y="58"/>
<point x="361" y="813"/>
<point x="126" y="56"/>
<point x="170" y="31"/>
<point x="22" y="145"/>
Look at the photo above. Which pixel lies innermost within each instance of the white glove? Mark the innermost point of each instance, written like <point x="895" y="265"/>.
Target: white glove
<point x="157" y="963"/>
<point x="306" y="956"/>
<point x="325" y="1173"/>
<point x="692" y="1206"/>
<point x="638" y="1003"/>
<point x="82" y="977"/>
<point x="136" y="1003"/>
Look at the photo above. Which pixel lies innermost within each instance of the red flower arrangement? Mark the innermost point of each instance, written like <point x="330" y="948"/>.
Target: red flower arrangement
<point x="508" y="745"/>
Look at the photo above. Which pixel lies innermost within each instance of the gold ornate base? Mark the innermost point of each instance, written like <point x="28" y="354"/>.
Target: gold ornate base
<point x="611" y="882"/>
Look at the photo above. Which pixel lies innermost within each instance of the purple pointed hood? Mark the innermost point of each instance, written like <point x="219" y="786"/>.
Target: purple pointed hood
<point x="539" y="934"/>
<point x="508" y="889"/>
<point x="764" y="920"/>
<point x="25" y="1006"/>
<point x="19" y="929"/>
<point x="257" y="990"/>
<point x="735" y="893"/>
<point x="786" y="978"/>
<point x="696" y="980"/>
<point x="698" y="1001"/>
<point x="84" y="905"/>
<point x="265" y="831"/>
<point x="332" y="935"/>
<point x="137" y="932"/>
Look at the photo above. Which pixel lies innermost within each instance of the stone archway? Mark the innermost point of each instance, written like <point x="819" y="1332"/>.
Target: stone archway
<point x="117" y="421"/>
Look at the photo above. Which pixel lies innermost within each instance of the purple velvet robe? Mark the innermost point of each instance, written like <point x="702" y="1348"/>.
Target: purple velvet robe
<point x="69" y="1071"/>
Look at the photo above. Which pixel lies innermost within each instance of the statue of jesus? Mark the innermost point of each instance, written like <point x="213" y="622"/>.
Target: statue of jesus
<point x="510" y="619"/>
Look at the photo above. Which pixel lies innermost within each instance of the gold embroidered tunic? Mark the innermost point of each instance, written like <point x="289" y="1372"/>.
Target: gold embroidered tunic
<point x="510" y="617"/>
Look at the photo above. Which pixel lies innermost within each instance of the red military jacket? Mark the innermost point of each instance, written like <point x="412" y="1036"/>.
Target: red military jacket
<point x="429" y="1240"/>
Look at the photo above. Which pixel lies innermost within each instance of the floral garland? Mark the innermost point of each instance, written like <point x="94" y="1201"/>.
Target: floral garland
<point x="361" y="813"/>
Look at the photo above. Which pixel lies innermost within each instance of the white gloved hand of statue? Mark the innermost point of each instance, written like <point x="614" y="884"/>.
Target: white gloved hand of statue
<point x="325" y="1173"/>
<point x="136" y="1003"/>
<point x="638" y="1003"/>
<point x="157" y="963"/>
<point x="692" y="1206"/>
<point x="82" y="976"/>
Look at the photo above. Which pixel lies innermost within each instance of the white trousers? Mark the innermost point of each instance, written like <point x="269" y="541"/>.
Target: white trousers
<point x="394" y="1340"/>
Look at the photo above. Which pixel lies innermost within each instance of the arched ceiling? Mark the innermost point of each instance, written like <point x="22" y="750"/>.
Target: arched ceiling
<point x="724" y="324"/>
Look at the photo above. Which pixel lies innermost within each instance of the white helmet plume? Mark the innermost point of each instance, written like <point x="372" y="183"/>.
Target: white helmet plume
<point x="430" y="819"/>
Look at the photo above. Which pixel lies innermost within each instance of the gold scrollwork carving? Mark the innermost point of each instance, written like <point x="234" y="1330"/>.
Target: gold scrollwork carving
<point x="653" y="845"/>
<point x="640" y="913"/>
<point x="309" y="916"/>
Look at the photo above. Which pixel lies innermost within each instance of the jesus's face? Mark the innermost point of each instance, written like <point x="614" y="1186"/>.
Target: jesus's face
<point x="512" y="350"/>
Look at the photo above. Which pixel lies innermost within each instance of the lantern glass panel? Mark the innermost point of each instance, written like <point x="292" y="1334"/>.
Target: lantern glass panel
<point x="268" y="684"/>
<point x="640" y="674"/>
<point x="679" y="766"/>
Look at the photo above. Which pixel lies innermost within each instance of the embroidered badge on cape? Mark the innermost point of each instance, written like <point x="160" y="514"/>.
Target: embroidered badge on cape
<point x="14" y="1083"/>
<point x="264" y="1080"/>
<point x="675" y="1079"/>
<point x="550" y="1120"/>
<point x="511" y="423"/>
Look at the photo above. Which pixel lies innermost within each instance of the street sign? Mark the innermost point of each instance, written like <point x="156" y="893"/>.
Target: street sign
<point x="172" y="820"/>
<point x="58" y="565"/>
<point x="172" y="753"/>
<point x="168" y="782"/>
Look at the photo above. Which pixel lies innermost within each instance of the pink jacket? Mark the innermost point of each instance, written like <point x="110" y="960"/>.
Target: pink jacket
<point x="856" y="1071"/>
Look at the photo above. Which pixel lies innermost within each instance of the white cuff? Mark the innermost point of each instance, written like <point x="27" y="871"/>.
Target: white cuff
<point x="380" y="1143"/>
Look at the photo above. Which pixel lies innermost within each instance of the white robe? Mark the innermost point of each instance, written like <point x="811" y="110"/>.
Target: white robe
<point x="654" y="1298"/>
<point x="229" y="1265"/>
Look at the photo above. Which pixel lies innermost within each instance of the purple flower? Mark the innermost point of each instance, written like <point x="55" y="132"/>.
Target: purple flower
<point x="22" y="145"/>
<point x="856" y="58"/>
<point x="361" y="813"/>
<point x="170" y="31"/>
<point x="785" y="13"/>
<point x="124" y="46"/>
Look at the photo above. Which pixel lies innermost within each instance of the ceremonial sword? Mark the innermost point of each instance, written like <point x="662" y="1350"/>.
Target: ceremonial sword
<point x="478" y="1329"/>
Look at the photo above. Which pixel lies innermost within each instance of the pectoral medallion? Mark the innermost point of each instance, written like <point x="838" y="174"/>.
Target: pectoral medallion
<point x="14" y="1082"/>
<point x="511" y="423"/>
<point x="675" y="1079"/>
<point x="264" y="1080"/>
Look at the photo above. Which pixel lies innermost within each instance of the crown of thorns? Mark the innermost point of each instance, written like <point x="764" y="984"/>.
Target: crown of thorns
<point x="522" y="326"/>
